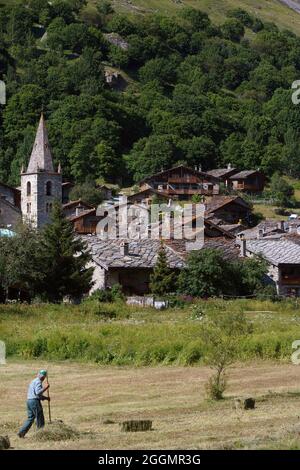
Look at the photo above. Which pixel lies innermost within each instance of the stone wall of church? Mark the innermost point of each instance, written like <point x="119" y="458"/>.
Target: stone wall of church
<point x="36" y="203"/>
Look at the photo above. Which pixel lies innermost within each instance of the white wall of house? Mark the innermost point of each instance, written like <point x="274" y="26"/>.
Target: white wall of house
<point x="99" y="277"/>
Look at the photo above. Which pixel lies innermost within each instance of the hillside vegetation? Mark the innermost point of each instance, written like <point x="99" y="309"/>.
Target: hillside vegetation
<point x="198" y="92"/>
<point x="267" y="10"/>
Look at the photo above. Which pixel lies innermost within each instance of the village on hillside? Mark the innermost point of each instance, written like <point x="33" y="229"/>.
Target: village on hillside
<point x="229" y="223"/>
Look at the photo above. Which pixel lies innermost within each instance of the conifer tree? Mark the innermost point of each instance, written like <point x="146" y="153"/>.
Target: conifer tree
<point x="162" y="281"/>
<point x="65" y="260"/>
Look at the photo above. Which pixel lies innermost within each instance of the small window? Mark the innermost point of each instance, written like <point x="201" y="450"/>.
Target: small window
<point x="48" y="188"/>
<point x="29" y="208"/>
<point x="28" y="188"/>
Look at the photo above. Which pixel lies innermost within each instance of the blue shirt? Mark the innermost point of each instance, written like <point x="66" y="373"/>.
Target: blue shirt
<point x="35" y="389"/>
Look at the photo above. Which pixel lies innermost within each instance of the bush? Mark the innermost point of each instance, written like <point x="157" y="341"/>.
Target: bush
<point x="215" y="387"/>
<point x="117" y="293"/>
<point x="267" y="292"/>
<point x="108" y="295"/>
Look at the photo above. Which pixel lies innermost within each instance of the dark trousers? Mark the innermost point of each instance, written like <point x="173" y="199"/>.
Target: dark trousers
<point x="34" y="412"/>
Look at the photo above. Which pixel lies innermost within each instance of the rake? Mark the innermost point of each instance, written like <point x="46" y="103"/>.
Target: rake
<point x="49" y="406"/>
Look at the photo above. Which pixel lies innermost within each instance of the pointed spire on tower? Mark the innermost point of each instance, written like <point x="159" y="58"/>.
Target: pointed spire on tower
<point x="41" y="158"/>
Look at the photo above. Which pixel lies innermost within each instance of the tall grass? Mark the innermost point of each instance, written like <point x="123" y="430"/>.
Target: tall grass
<point x="122" y="335"/>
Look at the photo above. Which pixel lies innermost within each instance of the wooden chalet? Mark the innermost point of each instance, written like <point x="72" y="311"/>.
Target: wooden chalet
<point x="182" y="182"/>
<point x="252" y="181"/>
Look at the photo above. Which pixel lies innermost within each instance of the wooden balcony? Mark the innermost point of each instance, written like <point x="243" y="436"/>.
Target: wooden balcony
<point x="246" y="187"/>
<point x="189" y="192"/>
<point x="184" y="180"/>
<point x="290" y="280"/>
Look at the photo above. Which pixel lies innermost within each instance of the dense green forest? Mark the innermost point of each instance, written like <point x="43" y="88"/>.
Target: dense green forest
<point x="197" y="93"/>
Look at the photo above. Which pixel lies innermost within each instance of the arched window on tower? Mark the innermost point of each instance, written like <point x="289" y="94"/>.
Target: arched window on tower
<point x="48" y="188"/>
<point x="28" y="188"/>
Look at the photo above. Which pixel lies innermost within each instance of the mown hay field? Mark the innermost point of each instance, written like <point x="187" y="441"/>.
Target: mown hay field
<point x="92" y="400"/>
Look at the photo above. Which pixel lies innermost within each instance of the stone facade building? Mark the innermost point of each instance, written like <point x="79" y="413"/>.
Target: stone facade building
<point x="283" y="258"/>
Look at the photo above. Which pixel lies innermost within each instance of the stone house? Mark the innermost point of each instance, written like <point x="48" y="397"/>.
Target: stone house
<point x="283" y="257"/>
<point x="127" y="262"/>
<point x="130" y="263"/>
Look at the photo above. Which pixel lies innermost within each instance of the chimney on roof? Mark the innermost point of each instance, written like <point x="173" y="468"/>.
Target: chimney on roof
<point x="124" y="248"/>
<point x="293" y="228"/>
<point x="79" y="209"/>
<point x="260" y="233"/>
<point x="243" y="248"/>
<point x="281" y="225"/>
<point x="200" y="168"/>
<point x="229" y="166"/>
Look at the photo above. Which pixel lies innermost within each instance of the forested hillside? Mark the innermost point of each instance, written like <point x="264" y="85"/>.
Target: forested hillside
<point x="197" y="92"/>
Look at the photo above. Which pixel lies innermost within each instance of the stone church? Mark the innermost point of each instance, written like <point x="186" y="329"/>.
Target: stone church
<point x="41" y="185"/>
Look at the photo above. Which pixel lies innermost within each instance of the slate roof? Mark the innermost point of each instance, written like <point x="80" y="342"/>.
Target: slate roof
<point x="81" y="215"/>
<point x="142" y="253"/>
<point x="228" y="248"/>
<point x="271" y="228"/>
<point x="221" y="172"/>
<point x="275" y="251"/>
<point x="293" y="237"/>
<point x="11" y="188"/>
<point x="10" y="205"/>
<point x="41" y="158"/>
<point x="220" y="201"/>
<point x="243" y="174"/>
<point x="67" y="205"/>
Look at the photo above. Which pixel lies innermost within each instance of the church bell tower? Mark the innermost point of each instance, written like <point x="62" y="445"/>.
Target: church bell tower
<point x="40" y="184"/>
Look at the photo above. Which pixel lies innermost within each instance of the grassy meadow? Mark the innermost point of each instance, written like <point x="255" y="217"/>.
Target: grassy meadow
<point x="116" y="334"/>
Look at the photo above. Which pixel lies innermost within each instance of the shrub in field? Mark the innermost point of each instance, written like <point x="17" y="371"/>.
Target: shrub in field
<point x="215" y="387"/>
<point x="221" y="334"/>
